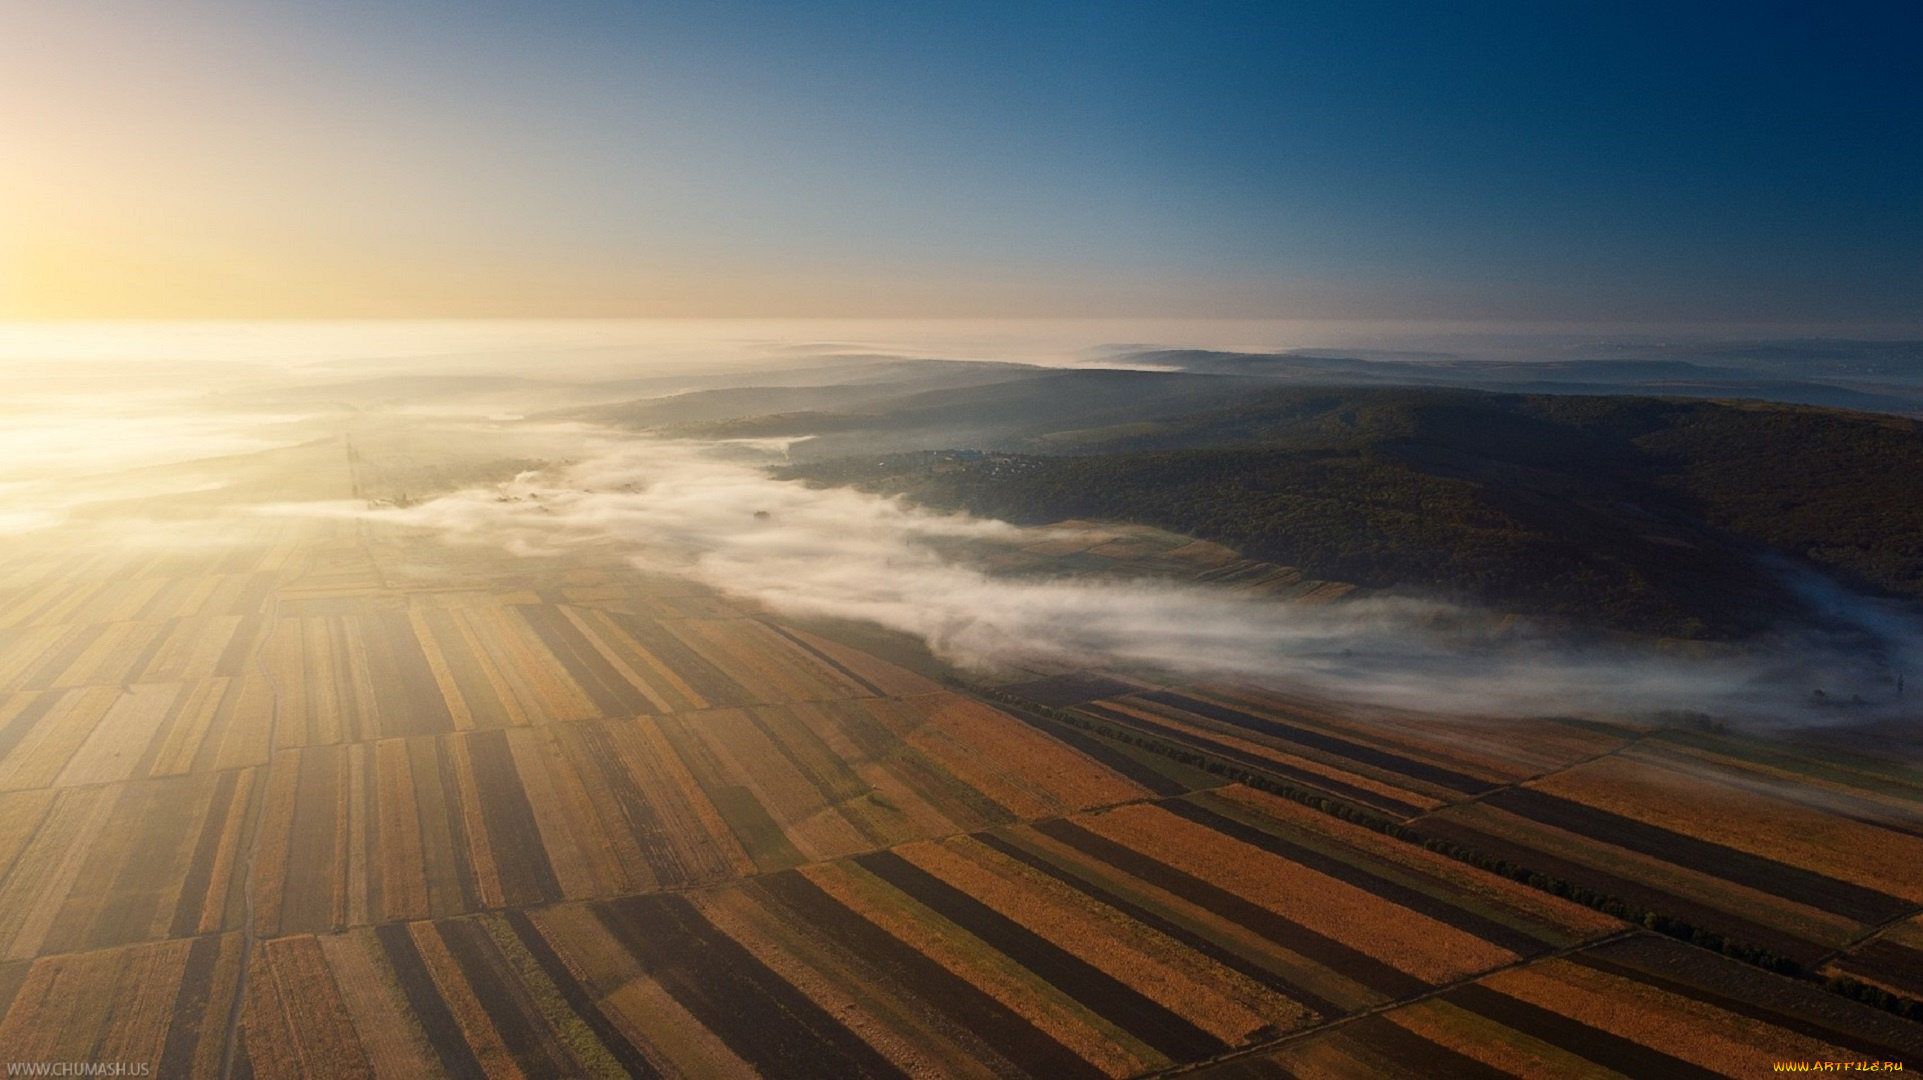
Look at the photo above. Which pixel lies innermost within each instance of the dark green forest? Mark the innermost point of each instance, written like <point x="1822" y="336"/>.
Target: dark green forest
<point x="1661" y="516"/>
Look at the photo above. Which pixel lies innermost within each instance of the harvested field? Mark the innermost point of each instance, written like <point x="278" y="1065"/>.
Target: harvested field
<point x="1021" y="769"/>
<point x="764" y="771"/>
<point x="876" y="674"/>
<point x="94" y="735"/>
<point x="1016" y="988"/>
<point x="666" y="985"/>
<point x="1507" y="748"/>
<point x="295" y="1020"/>
<point x="1389" y="764"/>
<point x="1793" y="883"/>
<point x="1892" y="959"/>
<point x="1503" y="912"/>
<point x="164" y="1004"/>
<point x="1877" y="788"/>
<point x="1224" y="1004"/>
<point x="1755" y="915"/>
<point x="125" y="863"/>
<point x="1158" y="773"/>
<point x="464" y="997"/>
<point x="441" y="826"/>
<point x="44" y="737"/>
<point x="1844" y="849"/>
<point x="769" y="665"/>
<point x="1242" y="753"/>
<point x="1009" y="950"/>
<point x="435" y="826"/>
<point x="1638" y="1006"/>
<point x="1126" y="1008"/>
<point x="766" y="1021"/>
<point x="1393" y="948"/>
<point x="361" y="677"/>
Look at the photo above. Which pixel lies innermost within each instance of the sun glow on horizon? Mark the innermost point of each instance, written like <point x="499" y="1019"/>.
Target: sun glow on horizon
<point x="186" y="159"/>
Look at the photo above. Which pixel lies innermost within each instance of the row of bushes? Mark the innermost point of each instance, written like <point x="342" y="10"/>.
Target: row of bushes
<point x="1875" y="995"/>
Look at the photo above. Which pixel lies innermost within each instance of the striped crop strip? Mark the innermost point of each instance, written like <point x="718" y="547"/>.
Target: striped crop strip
<point x="1354" y="751"/>
<point x="1592" y="1044"/>
<point x="1496" y="933"/>
<point x="1383" y="1038"/>
<point x="1636" y="891"/>
<point x="137" y="668"/>
<point x="26" y="718"/>
<point x="138" y="890"/>
<point x="577" y="997"/>
<point x="494" y="983"/>
<point x="927" y="777"/>
<point x="1886" y="961"/>
<point x="243" y="1058"/>
<point x="916" y="974"/>
<point x="233" y="659"/>
<point x="643" y="821"/>
<point x="612" y="693"/>
<point x="1168" y="928"/>
<point x="837" y="786"/>
<point x="471" y="683"/>
<point x="458" y="840"/>
<point x="520" y="853"/>
<point x="1802" y="1025"/>
<point x="763" y="1019"/>
<point x="1345" y="960"/>
<point x="308" y="882"/>
<point x="838" y="666"/>
<point x="1106" y="754"/>
<point x="443" y="1033"/>
<point x="55" y="662"/>
<point x="190" y="1007"/>
<point x="1325" y="784"/>
<point x="200" y="866"/>
<point x="1102" y="993"/>
<point x="708" y="681"/>
<point x="1766" y="875"/>
<point x="403" y="684"/>
<point x="13" y="973"/>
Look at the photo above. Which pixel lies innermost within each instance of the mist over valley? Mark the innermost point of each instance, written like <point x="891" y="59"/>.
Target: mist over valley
<point x="676" y="650"/>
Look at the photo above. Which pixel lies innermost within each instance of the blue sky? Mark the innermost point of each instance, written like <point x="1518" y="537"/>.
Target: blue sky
<point x="1485" y="160"/>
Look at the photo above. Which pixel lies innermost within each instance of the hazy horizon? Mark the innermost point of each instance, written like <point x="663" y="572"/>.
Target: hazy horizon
<point x="193" y="406"/>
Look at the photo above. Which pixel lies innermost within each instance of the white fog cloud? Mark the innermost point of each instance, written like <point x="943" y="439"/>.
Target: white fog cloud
<point x="713" y="514"/>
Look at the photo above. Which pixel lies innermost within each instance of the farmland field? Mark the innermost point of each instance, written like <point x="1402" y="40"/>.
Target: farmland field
<point x="319" y="794"/>
<point x="993" y="540"/>
<point x="1636" y="1006"/>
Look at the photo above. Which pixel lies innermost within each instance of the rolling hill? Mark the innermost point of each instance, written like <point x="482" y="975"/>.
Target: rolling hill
<point x="1655" y="515"/>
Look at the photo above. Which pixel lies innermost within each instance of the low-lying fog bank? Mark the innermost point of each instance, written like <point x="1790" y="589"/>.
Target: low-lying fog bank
<point x="134" y="435"/>
<point x="711" y="512"/>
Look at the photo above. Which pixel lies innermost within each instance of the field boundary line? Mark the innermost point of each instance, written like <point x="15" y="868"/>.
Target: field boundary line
<point x="256" y="837"/>
<point x="1628" y="743"/>
<point x="1868" y="935"/>
<point x="1256" y="1049"/>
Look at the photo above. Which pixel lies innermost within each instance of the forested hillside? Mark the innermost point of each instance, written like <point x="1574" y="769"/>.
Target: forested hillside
<point x="1643" y="514"/>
